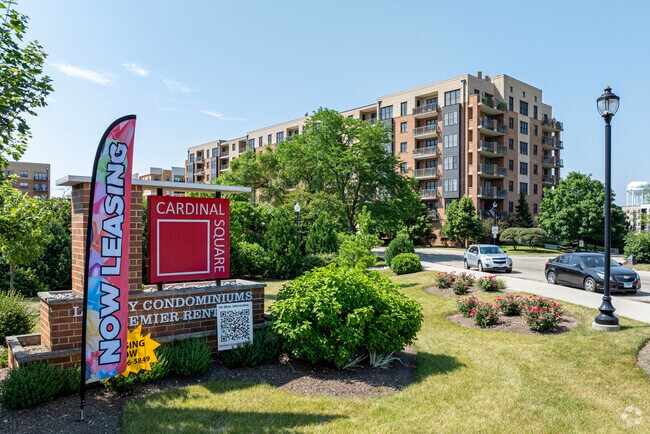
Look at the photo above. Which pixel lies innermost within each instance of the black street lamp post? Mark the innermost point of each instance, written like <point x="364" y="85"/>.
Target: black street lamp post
<point x="607" y="106"/>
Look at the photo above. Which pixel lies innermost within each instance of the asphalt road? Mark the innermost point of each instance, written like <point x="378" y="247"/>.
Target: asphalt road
<point x="524" y="267"/>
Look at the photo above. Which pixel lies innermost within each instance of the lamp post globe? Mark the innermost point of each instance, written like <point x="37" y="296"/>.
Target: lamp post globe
<point x="607" y="106"/>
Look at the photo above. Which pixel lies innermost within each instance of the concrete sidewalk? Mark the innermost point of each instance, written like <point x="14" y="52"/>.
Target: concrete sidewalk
<point x="627" y="308"/>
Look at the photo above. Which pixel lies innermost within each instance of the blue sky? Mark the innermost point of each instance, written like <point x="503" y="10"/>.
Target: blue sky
<point x="196" y="71"/>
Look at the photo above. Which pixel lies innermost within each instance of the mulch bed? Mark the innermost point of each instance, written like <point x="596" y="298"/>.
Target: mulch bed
<point x="104" y="408"/>
<point x="643" y="358"/>
<point x="514" y="324"/>
<point x="449" y="292"/>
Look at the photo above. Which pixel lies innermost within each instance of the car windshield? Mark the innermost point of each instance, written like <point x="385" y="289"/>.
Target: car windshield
<point x="491" y="250"/>
<point x="597" y="261"/>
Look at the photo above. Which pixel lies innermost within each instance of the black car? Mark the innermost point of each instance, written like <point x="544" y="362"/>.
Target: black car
<point x="586" y="270"/>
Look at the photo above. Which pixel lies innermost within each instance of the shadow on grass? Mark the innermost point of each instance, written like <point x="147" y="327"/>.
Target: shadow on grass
<point x="270" y="297"/>
<point x="183" y="410"/>
<point x="436" y="364"/>
<point x="408" y="285"/>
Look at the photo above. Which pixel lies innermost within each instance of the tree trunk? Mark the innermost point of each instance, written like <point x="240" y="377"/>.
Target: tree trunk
<point x="11" y="277"/>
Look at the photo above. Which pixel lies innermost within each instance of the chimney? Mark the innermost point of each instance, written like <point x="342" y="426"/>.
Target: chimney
<point x="487" y="78"/>
<point x="480" y="75"/>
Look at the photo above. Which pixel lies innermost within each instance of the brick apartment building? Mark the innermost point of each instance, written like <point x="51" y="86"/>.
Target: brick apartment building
<point x="486" y="137"/>
<point x="174" y="174"/>
<point x="33" y="178"/>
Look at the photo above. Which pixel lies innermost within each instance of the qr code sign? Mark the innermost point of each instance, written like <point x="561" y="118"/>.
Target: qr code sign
<point x="234" y="325"/>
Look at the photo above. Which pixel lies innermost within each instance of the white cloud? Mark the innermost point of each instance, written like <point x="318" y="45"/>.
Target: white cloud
<point x="85" y="74"/>
<point x="136" y="69"/>
<point x="167" y="109"/>
<point x="177" y="86"/>
<point x="220" y="116"/>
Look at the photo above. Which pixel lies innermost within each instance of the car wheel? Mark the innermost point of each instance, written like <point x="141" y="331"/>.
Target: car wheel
<point x="551" y="278"/>
<point x="508" y="271"/>
<point x="480" y="266"/>
<point x="465" y="264"/>
<point x="590" y="284"/>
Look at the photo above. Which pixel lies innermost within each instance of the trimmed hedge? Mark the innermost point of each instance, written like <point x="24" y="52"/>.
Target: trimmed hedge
<point x="406" y="263"/>
<point x="400" y="244"/>
<point x="34" y="384"/>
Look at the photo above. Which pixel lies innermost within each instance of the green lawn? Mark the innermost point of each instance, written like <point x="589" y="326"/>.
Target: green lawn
<point x="529" y="251"/>
<point x="642" y="267"/>
<point x="467" y="381"/>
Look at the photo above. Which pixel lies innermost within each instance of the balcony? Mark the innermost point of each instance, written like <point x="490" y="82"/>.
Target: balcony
<point x="551" y="125"/>
<point x="224" y="154"/>
<point x="491" y="127"/>
<point x="491" y="193"/>
<point x="429" y="173"/>
<point x="433" y="214"/>
<point x="425" y="111"/>
<point x="199" y="158"/>
<point x="426" y="132"/>
<point x="491" y="149"/>
<point x="488" y="215"/>
<point x="371" y="121"/>
<point x="488" y="104"/>
<point x="429" y="194"/>
<point x="491" y="171"/>
<point x="552" y="162"/>
<point x="552" y="143"/>
<point x="548" y="180"/>
<point x="421" y="153"/>
<point x="225" y="168"/>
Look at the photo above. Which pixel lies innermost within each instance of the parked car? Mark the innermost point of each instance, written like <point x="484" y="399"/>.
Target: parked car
<point x="586" y="270"/>
<point x="487" y="257"/>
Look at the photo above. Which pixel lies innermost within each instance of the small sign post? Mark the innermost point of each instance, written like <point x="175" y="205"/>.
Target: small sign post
<point x="495" y="232"/>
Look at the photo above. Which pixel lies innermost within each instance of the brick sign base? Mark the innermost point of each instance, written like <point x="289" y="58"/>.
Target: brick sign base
<point x="168" y="315"/>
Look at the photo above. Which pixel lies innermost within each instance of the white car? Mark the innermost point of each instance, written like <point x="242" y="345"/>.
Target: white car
<point x="487" y="257"/>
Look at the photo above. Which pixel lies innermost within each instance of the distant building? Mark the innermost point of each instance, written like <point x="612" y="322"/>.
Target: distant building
<point x="637" y="205"/>
<point x="175" y="174"/>
<point x="33" y="178"/>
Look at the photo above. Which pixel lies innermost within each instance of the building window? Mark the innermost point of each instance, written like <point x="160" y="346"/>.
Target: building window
<point x="268" y="139"/>
<point x="233" y="147"/>
<point x="511" y="206"/>
<point x="403" y="127"/>
<point x="40" y="176"/>
<point x="23" y="184"/>
<point x="178" y="179"/>
<point x="511" y="144"/>
<point x="402" y="147"/>
<point x="402" y="167"/>
<point x="251" y="143"/>
<point x="523" y="108"/>
<point x="511" y="186"/>
<point x="24" y="174"/>
<point x="523" y="93"/>
<point x="450" y="141"/>
<point x="450" y="163"/>
<point x="386" y="112"/>
<point x="450" y="184"/>
<point x="523" y="127"/>
<point x="534" y="169"/>
<point x="534" y="188"/>
<point x="535" y="110"/>
<point x="535" y="131"/>
<point x="523" y="148"/>
<point x="403" y="108"/>
<point x="534" y="208"/>
<point x="511" y="165"/>
<point x="452" y="97"/>
<point x="451" y="118"/>
<point x="534" y="149"/>
<point x="431" y="143"/>
<point x="523" y="168"/>
<point x="260" y="141"/>
<point x="279" y="137"/>
<point x="511" y="102"/>
<point x="523" y="188"/>
<point x="511" y="123"/>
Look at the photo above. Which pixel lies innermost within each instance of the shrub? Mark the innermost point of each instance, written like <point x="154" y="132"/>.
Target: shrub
<point x="265" y="347"/>
<point x="160" y="369"/>
<point x="536" y="301"/>
<point x="252" y="259"/>
<point x="317" y="260"/>
<point x="26" y="281"/>
<point x="406" y="263"/>
<point x="32" y="384"/>
<point x="15" y="318"/>
<point x="510" y="305"/>
<point x="71" y="378"/>
<point x="485" y="314"/>
<point x="356" y="251"/>
<point x="4" y="357"/>
<point x="545" y="318"/>
<point x="334" y="314"/>
<point x="400" y="244"/>
<point x="189" y="357"/>
<point x="120" y="383"/>
<point x="638" y="244"/>
<point x="322" y="237"/>
<point x="282" y="246"/>
<point x="444" y="280"/>
<point x="466" y="305"/>
<point x="467" y="278"/>
<point x="491" y="284"/>
<point x="460" y="287"/>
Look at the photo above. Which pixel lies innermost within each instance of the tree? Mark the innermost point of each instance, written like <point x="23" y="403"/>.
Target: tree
<point x="575" y="211"/>
<point x="461" y="222"/>
<point x="21" y="235"/>
<point x="282" y="246"/>
<point x="322" y="237"/>
<point x="638" y="245"/>
<point x="523" y="218"/>
<point x="24" y="87"/>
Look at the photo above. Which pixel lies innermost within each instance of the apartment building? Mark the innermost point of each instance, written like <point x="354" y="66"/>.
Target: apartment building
<point x="637" y="205"/>
<point x="487" y="137"/>
<point x="174" y="174"/>
<point x="33" y="178"/>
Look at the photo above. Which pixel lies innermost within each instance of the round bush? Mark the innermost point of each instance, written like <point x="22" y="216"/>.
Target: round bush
<point x="252" y="259"/>
<point x="332" y="315"/>
<point x="189" y="357"/>
<point x="401" y="244"/>
<point x="638" y="244"/>
<point x="32" y="384"/>
<point x="15" y="318"/>
<point x="406" y="263"/>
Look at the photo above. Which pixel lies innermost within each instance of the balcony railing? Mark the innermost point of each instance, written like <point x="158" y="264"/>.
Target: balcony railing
<point x="199" y="158"/>
<point x="491" y="170"/>
<point x="552" y="123"/>
<point x="429" y="193"/>
<point x="225" y="167"/>
<point x="426" y="130"/>
<point x="484" y="146"/>
<point x="424" y="109"/>
<point x="553" y="161"/>
<point x="548" y="179"/>
<point x="224" y="154"/>
<point x="492" y="192"/>
<point x="430" y="151"/>
<point x="433" y="214"/>
<point x="370" y="121"/>
<point x="552" y="142"/>
<point x="426" y="173"/>
<point x="492" y="124"/>
<point x="488" y="215"/>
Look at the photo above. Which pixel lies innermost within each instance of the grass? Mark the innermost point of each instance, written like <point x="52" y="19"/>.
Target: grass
<point x="529" y="251"/>
<point x="468" y="380"/>
<point x="641" y="267"/>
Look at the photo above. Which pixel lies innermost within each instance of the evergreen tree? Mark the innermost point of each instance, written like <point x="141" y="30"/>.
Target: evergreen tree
<point x="322" y="237"/>
<point x="523" y="217"/>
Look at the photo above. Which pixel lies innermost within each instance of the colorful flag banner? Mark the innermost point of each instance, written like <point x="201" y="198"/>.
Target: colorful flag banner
<point x="106" y="292"/>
